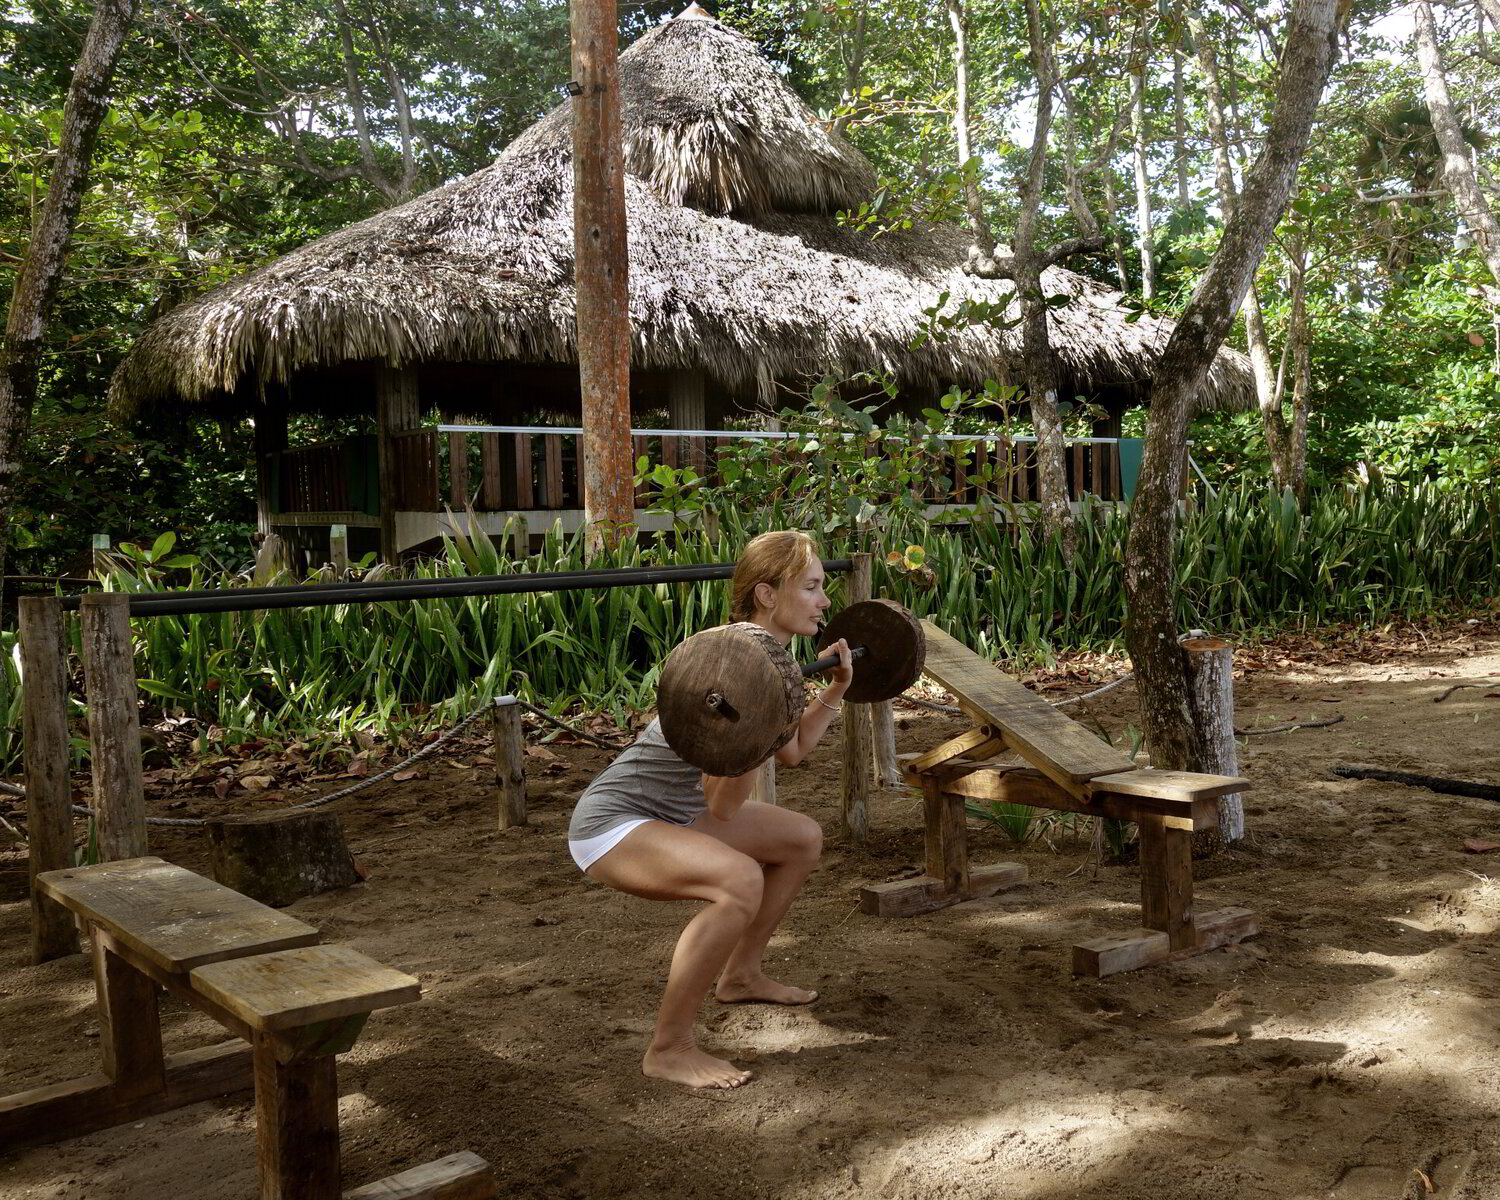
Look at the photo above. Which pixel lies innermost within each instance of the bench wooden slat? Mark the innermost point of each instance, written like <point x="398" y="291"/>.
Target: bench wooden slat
<point x="292" y="988"/>
<point x="1168" y="785"/>
<point x="1053" y="743"/>
<point x="1028" y="786"/>
<point x="170" y="916"/>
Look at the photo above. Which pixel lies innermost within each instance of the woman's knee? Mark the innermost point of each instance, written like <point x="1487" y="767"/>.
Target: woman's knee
<point x="741" y="884"/>
<point x="805" y="843"/>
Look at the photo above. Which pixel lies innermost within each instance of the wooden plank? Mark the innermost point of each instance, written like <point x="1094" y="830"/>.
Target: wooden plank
<point x="1185" y="786"/>
<point x="1061" y="748"/>
<point x="912" y="897"/>
<point x="172" y="917"/>
<point x="1029" y="786"/>
<point x="129" y="1023"/>
<point x="973" y="741"/>
<point x="461" y="1176"/>
<point x="491" y="492"/>
<point x="114" y="724"/>
<point x="522" y="456"/>
<point x="63" y="1110"/>
<point x="1144" y="947"/>
<point x="552" y="462"/>
<point x="1166" y="880"/>
<point x="945" y="836"/>
<point x="1076" y="483"/>
<point x="1096" y="468"/>
<point x="296" y="1126"/>
<point x="289" y="988"/>
<point x="49" y="789"/>
<point x="458" y="471"/>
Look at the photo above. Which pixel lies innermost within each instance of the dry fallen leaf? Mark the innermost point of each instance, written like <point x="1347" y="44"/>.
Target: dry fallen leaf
<point x="221" y="786"/>
<point x="1480" y="846"/>
<point x="409" y="773"/>
<point x="257" y="783"/>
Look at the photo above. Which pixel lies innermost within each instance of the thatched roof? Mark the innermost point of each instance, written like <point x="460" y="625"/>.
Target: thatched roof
<point x="737" y="263"/>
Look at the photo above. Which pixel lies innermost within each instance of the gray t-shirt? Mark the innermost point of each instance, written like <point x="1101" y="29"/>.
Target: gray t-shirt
<point x="646" y="780"/>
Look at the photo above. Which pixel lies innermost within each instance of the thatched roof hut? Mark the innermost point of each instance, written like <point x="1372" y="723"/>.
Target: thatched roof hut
<point x="739" y="269"/>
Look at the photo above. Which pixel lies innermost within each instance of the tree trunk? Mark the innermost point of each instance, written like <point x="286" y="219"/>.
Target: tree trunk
<point x="1458" y="168"/>
<point x="41" y="270"/>
<point x="1179" y="129"/>
<point x="1024" y="265"/>
<point x="1170" y="723"/>
<point x="1146" y="242"/>
<point x="1257" y="343"/>
<point x="602" y="308"/>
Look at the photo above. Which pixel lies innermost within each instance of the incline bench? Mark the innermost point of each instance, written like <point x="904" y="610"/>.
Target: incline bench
<point x="264" y="977"/>
<point x="1072" y="770"/>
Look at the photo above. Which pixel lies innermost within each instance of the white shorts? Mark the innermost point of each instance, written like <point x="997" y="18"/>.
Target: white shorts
<point x="587" y="851"/>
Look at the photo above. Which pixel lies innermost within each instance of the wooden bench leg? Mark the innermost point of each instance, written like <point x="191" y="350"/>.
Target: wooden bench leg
<point x="129" y="1024"/>
<point x="949" y="879"/>
<point x="296" y="1124"/>
<point x="1171" y="929"/>
<point x="1167" y="880"/>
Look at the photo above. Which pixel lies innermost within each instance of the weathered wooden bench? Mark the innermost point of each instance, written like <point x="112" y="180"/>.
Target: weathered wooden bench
<point x="292" y="1002"/>
<point x="1071" y="770"/>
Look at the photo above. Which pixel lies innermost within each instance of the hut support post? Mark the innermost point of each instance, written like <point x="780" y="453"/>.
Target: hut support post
<point x="857" y="756"/>
<point x="686" y="410"/>
<point x="396" y="410"/>
<point x="270" y="440"/>
<point x="114" y="725"/>
<point x="44" y="718"/>
<point x="510" y="762"/>
<point x="603" y="298"/>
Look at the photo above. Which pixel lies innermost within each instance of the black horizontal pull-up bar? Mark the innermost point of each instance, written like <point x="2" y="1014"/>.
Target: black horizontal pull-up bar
<point x="323" y="595"/>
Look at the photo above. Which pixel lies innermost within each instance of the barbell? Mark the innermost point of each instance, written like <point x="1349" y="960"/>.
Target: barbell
<point x="730" y="697"/>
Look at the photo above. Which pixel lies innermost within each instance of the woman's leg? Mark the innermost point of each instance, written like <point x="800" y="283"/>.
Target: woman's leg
<point x="788" y="844"/>
<point x="667" y="862"/>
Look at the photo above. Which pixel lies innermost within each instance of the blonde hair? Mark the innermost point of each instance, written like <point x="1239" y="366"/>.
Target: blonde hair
<point x="771" y="558"/>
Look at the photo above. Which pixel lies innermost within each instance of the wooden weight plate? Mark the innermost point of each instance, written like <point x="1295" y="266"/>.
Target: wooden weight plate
<point x="894" y="648"/>
<point x="761" y="698"/>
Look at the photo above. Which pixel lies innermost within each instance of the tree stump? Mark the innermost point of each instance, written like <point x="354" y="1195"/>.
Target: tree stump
<point x="280" y="857"/>
<point x="1211" y="674"/>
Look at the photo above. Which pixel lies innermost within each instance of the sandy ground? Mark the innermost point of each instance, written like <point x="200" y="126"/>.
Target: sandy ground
<point x="951" y="1055"/>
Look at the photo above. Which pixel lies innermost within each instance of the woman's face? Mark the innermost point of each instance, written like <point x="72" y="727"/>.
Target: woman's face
<point x="796" y="607"/>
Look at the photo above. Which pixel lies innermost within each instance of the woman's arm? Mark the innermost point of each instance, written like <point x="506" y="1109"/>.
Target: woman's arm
<point x="726" y="793"/>
<point x="820" y="710"/>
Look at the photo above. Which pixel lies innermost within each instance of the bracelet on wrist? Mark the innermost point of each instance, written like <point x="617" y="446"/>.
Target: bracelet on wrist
<point x="825" y="704"/>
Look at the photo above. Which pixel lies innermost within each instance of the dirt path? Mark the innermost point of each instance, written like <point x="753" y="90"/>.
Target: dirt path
<point x="952" y="1055"/>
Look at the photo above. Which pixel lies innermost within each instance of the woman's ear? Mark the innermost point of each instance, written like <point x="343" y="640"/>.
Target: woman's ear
<point x="765" y="596"/>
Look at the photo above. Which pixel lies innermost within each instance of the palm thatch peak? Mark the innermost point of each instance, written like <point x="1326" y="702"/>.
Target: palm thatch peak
<point x="709" y="123"/>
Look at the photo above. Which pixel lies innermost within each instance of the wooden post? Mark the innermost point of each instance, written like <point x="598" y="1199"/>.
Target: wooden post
<point x="765" y="782"/>
<point x="686" y="410"/>
<point x="44" y="724"/>
<point x="520" y="534"/>
<point x="114" y="725"/>
<point x="338" y="547"/>
<point x="510" y="763"/>
<point x="396" y="410"/>
<point x="602" y="301"/>
<point x="946" y="838"/>
<point x="857" y="751"/>
<point x="270" y="440"/>
<point x="1210" y="670"/>
<point x="887" y="770"/>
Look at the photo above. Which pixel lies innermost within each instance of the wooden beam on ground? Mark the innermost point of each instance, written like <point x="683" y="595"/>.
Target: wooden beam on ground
<point x="924" y="894"/>
<point x="49" y="791"/>
<point x="1059" y="747"/>
<point x="1144" y="947"/>
<point x="602" y="300"/>
<point x="462" y="1176"/>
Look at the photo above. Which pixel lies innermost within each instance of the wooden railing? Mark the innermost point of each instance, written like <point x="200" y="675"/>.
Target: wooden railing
<point x="525" y="469"/>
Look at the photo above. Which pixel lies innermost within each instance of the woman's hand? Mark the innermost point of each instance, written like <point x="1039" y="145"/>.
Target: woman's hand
<point x="843" y="674"/>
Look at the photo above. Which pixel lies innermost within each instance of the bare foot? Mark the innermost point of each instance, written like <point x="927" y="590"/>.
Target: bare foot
<point x="761" y="989"/>
<point x="692" y="1066"/>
